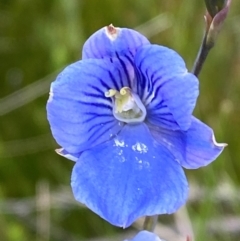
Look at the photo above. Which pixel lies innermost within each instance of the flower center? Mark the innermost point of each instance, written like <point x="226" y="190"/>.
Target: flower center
<point x="127" y="105"/>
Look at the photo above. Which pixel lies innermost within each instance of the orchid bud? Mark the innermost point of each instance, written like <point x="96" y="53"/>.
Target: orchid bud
<point x="217" y="11"/>
<point x="215" y="6"/>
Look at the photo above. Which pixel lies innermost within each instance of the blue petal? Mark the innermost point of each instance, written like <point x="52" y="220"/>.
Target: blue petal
<point x="165" y="86"/>
<point x="146" y="236"/>
<point x="112" y="42"/>
<point x="129" y="177"/>
<point x="80" y="115"/>
<point x="193" y="148"/>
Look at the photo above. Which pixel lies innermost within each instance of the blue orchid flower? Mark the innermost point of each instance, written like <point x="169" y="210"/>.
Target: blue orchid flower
<point x="124" y="115"/>
<point x="145" y="236"/>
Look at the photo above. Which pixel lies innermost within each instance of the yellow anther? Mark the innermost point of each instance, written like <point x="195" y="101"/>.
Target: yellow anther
<point x="124" y="91"/>
<point x="123" y="99"/>
<point x="110" y="93"/>
<point x="127" y="107"/>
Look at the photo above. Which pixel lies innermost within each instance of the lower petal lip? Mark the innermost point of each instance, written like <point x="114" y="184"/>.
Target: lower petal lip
<point x="129" y="177"/>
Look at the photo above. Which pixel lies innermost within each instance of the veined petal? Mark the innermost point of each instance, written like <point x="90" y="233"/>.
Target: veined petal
<point x="165" y="86"/>
<point x="80" y="115"/>
<point x="145" y="236"/>
<point x="111" y="42"/>
<point x="128" y="177"/>
<point x="193" y="148"/>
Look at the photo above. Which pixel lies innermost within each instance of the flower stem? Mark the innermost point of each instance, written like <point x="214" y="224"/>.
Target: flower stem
<point x="202" y="55"/>
<point x="150" y="223"/>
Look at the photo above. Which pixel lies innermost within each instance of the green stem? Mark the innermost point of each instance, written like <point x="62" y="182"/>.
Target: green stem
<point x="150" y="223"/>
<point x="202" y="55"/>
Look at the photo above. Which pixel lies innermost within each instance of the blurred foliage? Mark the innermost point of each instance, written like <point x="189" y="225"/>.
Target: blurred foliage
<point x="40" y="37"/>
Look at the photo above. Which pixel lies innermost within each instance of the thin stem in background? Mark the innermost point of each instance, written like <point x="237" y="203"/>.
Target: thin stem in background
<point x="150" y="223"/>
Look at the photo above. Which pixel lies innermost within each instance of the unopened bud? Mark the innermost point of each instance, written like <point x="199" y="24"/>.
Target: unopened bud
<point x="215" y="18"/>
<point x="215" y="6"/>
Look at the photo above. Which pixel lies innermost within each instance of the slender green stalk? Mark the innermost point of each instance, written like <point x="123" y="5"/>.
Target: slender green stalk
<point x="150" y="223"/>
<point x="217" y="11"/>
<point x="202" y="55"/>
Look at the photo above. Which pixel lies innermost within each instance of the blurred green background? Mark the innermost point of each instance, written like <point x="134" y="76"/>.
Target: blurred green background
<point x="37" y="39"/>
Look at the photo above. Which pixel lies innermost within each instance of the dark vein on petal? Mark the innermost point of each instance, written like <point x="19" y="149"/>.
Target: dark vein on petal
<point x="161" y="119"/>
<point x="139" y="66"/>
<point x="93" y="95"/>
<point x="149" y="80"/>
<point x="121" y="79"/>
<point x="139" y="78"/>
<point x="99" y="124"/>
<point x="152" y="77"/>
<point x="158" y="89"/>
<point x="95" y="105"/>
<point x="124" y="69"/>
<point x="129" y="59"/>
<point x="96" y="132"/>
<point x="113" y="80"/>
<point x="96" y="116"/>
<point x="100" y="80"/>
<point x="160" y="105"/>
<point x="89" y="113"/>
<point x="142" y="81"/>
<point x="104" y="131"/>
<point x="96" y="89"/>
<point x="131" y="53"/>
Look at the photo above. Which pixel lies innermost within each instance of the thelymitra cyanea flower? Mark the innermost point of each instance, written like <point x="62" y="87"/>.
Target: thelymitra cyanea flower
<point x="124" y="114"/>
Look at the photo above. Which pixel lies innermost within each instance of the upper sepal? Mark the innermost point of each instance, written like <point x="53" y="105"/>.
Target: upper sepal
<point x="112" y="42"/>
